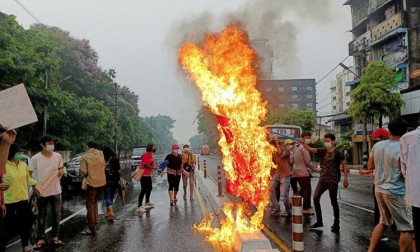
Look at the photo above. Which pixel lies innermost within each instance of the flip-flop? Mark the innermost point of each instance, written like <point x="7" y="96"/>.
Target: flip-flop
<point x="57" y="242"/>
<point x="39" y="246"/>
<point x="87" y="232"/>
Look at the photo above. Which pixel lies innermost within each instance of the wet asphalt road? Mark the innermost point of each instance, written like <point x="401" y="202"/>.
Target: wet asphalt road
<point x="163" y="228"/>
<point x="356" y="214"/>
<point x="169" y="229"/>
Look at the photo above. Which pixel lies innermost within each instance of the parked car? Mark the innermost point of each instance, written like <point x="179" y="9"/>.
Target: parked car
<point x="72" y="174"/>
<point x="136" y="154"/>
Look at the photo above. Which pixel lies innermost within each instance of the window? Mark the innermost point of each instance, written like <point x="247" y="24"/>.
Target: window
<point x="347" y="93"/>
<point x="309" y="105"/>
<point x="295" y="105"/>
<point x="294" y="88"/>
<point x="280" y="89"/>
<point x="348" y="103"/>
<point x="268" y="89"/>
<point x="334" y="107"/>
<point x="295" y="96"/>
<point x="309" y="88"/>
<point x="334" y="98"/>
<point x="309" y="96"/>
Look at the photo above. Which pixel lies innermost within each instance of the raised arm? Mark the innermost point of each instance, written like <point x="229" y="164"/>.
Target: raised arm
<point x="7" y="138"/>
<point x="311" y="150"/>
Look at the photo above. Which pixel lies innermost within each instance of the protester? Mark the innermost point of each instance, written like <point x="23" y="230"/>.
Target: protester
<point x="281" y="177"/>
<point x="188" y="159"/>
<point x="112" y="174"/>
<point x="92" y="167"/>
<point x="147" y="164"/>
<point x="330" y="175"/>
<point x="16" y="205"/>
<point x="302" y="162"/>
<point x="42" y="165"/>
<point x="378" y="135"/>
<point x="7" y="138"/>
<point x="173" y="162"/>
<point x="390" y="187"/>
<point x="410" y="166"/>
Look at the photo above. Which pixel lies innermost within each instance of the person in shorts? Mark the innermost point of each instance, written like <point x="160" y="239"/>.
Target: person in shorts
<point x="390" y="188"/>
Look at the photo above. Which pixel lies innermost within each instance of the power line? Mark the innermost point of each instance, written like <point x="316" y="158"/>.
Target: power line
<point x="324" y="106"/>
<point x="328" y="94"/>
<point x="27" y="11"/>
<point x="325" y="76"/>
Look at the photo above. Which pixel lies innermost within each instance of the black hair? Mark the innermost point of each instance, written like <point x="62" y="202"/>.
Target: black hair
<point x="45" y="138"/>
<point x="330" y="136"/>
<point x="14" y="148"/>
<point x="149" y="147"/>
<point x="397" y="126"/>
<point x="108" y="153"/>
<point x="305" y="134"/>
<point x="93" y="145"/>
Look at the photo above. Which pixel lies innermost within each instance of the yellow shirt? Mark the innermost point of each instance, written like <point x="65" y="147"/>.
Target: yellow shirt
<point x="17" y="176"/>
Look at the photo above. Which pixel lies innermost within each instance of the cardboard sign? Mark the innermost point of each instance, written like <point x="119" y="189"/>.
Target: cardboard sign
<point x="15" y="108"/>
<point x="48" y="183"/>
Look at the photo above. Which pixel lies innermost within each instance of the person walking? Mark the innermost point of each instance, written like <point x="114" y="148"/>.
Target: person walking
<point x="173" y="162"/>
<point x="148" y="165"/>
<point x="410" y="160"/>
<point x="41" y="166"/>
<point x="188" y="159"/>
<point x="112" y="174"/>
<point x="281" y="177"/>
<point x="16" y="206"/>
<point x="302" y="162"/>
<point x="390" y="187"/>
<point x="330" y="175"/>
<point x="92" y="168"/>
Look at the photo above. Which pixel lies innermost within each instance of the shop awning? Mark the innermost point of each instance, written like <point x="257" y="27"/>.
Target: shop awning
<point x="385" y="37"/>
<point x="340" y="118"/>
<point x="352" y="83"/>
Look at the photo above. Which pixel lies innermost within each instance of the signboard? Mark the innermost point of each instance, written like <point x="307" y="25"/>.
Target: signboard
<point x="285" y="131"/>
<point x="359" y="129"/>
<point x="15" y="108"/>
<point x="48" y="183"/>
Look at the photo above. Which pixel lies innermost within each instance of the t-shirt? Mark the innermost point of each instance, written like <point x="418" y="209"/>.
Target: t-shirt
<point x="330" y="170"/>
<point x="174" y="161"/>
<point x="41" y="166"/>
<point x="147" y="159"/>
<point x="388" y="174"/>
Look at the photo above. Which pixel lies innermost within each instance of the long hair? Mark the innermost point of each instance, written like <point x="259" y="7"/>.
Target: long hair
<point x="108" y="153"/>
<point x="14" y="148"/>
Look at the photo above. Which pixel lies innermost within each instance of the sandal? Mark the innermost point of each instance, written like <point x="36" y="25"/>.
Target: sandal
<point x="57" y="242"/>
<point x="39" y="245"/>
<point x="172" y="203"/>
<point x="87" y="232"/>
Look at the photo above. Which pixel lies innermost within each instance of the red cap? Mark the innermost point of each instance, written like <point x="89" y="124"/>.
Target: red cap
<point x="175" y="146"/>
<point x="380" y="132"/>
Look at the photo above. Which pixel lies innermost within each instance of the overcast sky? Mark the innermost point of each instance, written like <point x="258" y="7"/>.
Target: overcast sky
<point x="138" y="38"/>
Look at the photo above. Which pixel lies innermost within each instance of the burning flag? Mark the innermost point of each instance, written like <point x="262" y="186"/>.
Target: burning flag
<point x="223" y="68"/>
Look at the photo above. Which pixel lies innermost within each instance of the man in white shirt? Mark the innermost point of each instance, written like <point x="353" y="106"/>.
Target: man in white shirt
<point x="410" y="166"/>
<point x="42" y="165"/>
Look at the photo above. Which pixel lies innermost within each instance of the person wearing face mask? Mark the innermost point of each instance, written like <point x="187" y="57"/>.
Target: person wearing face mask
<point x="147" y="164"/>
<point x="330" y="175"/>
<point x="41" y="165"/>
<point x="302" y="162"/>
<point x="16" y="206"/>
<point x="173" y="163"/>
<point x="281" y="178"/>
<point x="188" y="160"/>
<point x="112" y="173"/>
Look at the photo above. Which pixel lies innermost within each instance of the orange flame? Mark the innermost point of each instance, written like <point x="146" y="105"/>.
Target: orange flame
<point x="223" y="69"/>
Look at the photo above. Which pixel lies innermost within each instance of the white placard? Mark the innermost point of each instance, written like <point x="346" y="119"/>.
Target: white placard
<point x="48" y="183"/>
<point x="15" y="108"/>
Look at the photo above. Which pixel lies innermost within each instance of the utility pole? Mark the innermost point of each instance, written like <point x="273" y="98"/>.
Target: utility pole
<point x="44" y="126"/>
<point x="112" y="74"/>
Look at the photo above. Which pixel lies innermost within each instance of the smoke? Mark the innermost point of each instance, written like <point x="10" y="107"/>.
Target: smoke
<point x="262" y="19"/>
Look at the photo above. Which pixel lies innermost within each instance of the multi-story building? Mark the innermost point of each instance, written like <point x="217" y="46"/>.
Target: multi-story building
<point x="340" y="101"/>
<point x="293" y="93"/>
<point x="265" y="58"/>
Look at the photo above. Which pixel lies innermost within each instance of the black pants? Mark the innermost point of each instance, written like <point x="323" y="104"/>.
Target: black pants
<point x="2" y="237"/>
<point x="173" y="181"/>
<point x="146" y="189"/>
<point x="305" y="191"/>
<point x="19" y="216"/>
<point x="332" y="188"/>
<point x="293" y="184"/>
<point x="416" y="224"/>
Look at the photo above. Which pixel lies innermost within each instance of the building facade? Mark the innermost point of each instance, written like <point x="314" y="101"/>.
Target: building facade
<point x="265" y="58"/>
<point x="293" y="93"/>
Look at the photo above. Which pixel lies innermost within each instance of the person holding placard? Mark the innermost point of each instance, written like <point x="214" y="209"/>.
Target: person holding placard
<point x="47" y="168"/>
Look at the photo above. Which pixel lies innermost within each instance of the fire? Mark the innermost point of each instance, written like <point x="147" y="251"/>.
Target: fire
<point x="223" y="68"/>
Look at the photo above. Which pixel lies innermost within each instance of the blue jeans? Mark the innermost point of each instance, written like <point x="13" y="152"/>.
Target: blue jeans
<point x="109" y="193"/>
<point x="284" y="193"/>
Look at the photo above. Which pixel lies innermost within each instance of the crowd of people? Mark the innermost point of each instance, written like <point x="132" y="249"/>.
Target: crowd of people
<point x="394" y="163"/>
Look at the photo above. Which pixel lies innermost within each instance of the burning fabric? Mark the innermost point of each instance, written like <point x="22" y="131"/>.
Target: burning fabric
<point x="223" y="68"/>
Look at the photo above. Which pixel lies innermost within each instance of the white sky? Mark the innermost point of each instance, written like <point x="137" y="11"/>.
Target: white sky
<point x="131" y="36"/>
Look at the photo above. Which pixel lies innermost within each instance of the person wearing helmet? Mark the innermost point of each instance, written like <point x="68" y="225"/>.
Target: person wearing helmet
<point x="173" y="163"/>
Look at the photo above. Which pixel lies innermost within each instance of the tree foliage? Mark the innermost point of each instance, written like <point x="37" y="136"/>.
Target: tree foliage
<point x="290" y="116"/>
<point x="207" y="126"/>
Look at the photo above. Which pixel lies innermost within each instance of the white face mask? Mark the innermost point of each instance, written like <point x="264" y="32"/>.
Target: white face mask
<point x="327" y="145"/>
<point x="290" y="147"/>
<point x="49" y="147"/>
<point x="175" y="151"/>
<point x="186" y="149"/>
<point x="308" y="141"/>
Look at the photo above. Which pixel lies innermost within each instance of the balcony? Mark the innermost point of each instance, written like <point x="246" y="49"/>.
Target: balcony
<point x="387" y="26"/>
<point x="359" y="43"/>
<point x="374" y="5"/>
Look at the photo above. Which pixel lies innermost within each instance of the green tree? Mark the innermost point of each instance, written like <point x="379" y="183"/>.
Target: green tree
<point x="207" y="126"/>
<point x="290" y="116"/>
<point x="372" y="98"/>
<point x="195" y="142"/>
<point x="344" y="144"/>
